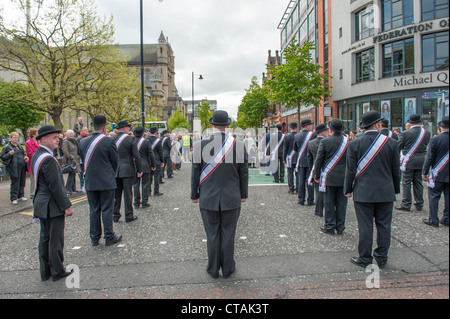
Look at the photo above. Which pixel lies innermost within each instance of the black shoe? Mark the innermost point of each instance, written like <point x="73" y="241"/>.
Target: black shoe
<point x="381" y="265"/>
<point x="301" y="203"/>
<point x="340" y="233"/>
<point x="171" y="176"/>
<point x="132" y="219"/>
<point x="228" y="275"/>
<point x="145" y="205"/>
<point x="419" y="209"/>
<point x="116" y="220"/>
<point x="444" y="224"/>
<point x="358" y="262"/>
<point x="45" y="278"/>
<point x="402" y="208"/>
<point x="94" y="243"/>
<point x="320" y="215"/>
<point x="161" y="182"/>
<point x="291" y="192"/>
<point x="63" y="275"/>
<point x="115" y="240"/>
<point x="136" y="206"/>
<point x="281" y="180"/>
<point x="312" y="204"/>
<point x="327" y="231"/>
<point x="158" y="194"/>
<point x="426" y="221"/>
<point x="215" y="275"/>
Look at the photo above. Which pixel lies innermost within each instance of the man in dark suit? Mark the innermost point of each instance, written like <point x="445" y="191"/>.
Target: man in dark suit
<point x="101" y="159"/>
<point x="219" y="184"/>
<point x="167" y="148"/>
<point x="329" y="171"/>
<point x="435" y="172"/>
<point x="386" y="131"/>
<point x="373" y="177"/>
<point x="302" y="168"/>
<point x="155" y="175"/>
<point x="413" y="143"/>
<point x="290" y="157"/>
<point x="51" y="205"/>
<point x="130" y="167"/>
<point x="322" y="133"/>
<point x="148" y="165"/>
<point x="277" y="156"/>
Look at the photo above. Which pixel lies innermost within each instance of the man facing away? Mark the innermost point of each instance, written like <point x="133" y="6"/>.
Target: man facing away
<point x="219" y="183"/>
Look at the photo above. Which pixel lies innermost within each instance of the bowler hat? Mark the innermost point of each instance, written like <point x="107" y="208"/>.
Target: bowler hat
<point x="46" y="130"/>
<point x="336" y="125"/>
<point x="307" y="122"/>
<point x="165" y="132"/>
<point x="138" y="131"/>
<point x="370" y="118"/>
<point x="220" y="118"/>
<point x="385" y="123"/>
<point x="122" y="124"/>
<point x="293" y="125"/>
<point x="279" y="127"/>
<point x="320" y="128"/>
<point x="444" y="123"/>
<point x="99" y="120"/>
<point x="153" y="130"/>
<point x="415" y="119"/>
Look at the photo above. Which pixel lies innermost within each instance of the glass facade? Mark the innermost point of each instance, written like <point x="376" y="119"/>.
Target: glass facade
<point x="435" y="52"/>
<point x="398" y="58"/>
<point x="397" y="13"/>
<point x="434" y="9"/>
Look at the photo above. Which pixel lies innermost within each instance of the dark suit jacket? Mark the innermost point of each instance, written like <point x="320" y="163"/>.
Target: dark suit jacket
<point x="313" y="146"/>
<point x="385" y="131"/>
<point x="299" y="138"/>
<point x="437" y="148"/>
<point x="129" y="158"/>
<point x="327" y="148"/>
<point x="166" y="146"/>
<point x="147" y="156"/>
<point x="288" y="146"/>
<point x="158" y="152"/>
<point x="381" y="180"/>
<point x="101" y="171"/>
<point x="406" y="141"/>
<point x="50" y="198"/>
<point x="228" y="184"/>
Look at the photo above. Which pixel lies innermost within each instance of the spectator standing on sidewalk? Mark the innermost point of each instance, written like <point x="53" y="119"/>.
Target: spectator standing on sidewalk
<point x="71" y="153"/>
<point x="15" y="159"/>
<point x="31" y="146"/>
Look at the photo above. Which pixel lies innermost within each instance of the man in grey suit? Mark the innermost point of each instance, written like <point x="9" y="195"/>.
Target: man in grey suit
<point x="219" y="183"/>
<point x="372" y="177"/>
<point x="435" y="172"/>
<point x="51" y="204"/>
<point x="413" y="143"/>
<point x="101" y="160"/>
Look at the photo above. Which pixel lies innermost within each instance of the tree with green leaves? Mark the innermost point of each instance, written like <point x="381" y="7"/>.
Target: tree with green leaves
<point x="178" y="120"/>
<point x="204" y="113"/>
<point x="14" y="115"/>
<point x="298" y="82"/>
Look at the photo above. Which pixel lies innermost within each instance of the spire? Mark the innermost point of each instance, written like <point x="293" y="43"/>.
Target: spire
<point x="162" y="38"/>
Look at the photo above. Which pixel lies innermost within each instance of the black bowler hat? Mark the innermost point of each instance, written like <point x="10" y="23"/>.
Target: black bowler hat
<point x="444" y="123"/>
<point x="415" y="119"/>
<point x="336" y="125"/>
<point x="293" y="125"/>
<point x="164" y="132"/>
<point x="279" y="127"/>
<point x="99" y="121"/>
<point x="123" y="124"/>
<point x="320" y="128"/>
<point x="385" y="123"/>
<point x="307" y="122"/>
<point x="220" y="118"/>
<point x="370" y="118"/>
<point x="138" y="131"/>
<point x="153" y="130"/>
<point x="46" y="130"/>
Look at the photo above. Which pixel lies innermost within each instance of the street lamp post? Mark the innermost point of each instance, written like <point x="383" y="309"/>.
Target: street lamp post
<point x="142" y="65"/>
<point x="193" y="107"/>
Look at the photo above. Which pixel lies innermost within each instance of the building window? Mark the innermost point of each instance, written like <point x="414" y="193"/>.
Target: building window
<point x="398" y="58"/>
<point x="147" y="78"/>
<point x="364" y="23"/>
<point x="435" y="52"/>
<point x="434" y="9"/>
<point x="397" y="13"/>
<point x="365" y="66"/>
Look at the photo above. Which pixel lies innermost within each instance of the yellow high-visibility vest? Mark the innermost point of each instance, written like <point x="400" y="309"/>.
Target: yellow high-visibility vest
<point x="186" y="140"/>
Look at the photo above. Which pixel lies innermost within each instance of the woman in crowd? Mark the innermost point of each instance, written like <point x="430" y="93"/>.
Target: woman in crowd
<point x="15" y="159"/>
<point x="31" y="146"/>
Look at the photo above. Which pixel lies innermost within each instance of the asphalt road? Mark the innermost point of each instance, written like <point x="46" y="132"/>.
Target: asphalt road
<point x="280" y="254"/>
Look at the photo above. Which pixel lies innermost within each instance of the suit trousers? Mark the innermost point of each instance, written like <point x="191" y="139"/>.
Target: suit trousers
<point x="51" y="245"/>
<point x="146" y="181"/>
<point x="414" y="177"/>
<point x="101" y="207"/>
<point x="168" y="166"/>
<point x="220" y="228"/>
<point x="366" y="213"/>
<point x="291" y="183"/>
<point x="302" y="183"/>
<point x="155" y="178"/>
<point x="434" y="195"/>
<point x="335" y="204"/>
<point x="320" y="201"/>
<point x="17" y="189"/>
<point x="125" y="186"/>
<point x="279" y="174"/>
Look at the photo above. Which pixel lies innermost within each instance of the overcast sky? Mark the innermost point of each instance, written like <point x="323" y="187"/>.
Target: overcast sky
<point x="227" y="41"/>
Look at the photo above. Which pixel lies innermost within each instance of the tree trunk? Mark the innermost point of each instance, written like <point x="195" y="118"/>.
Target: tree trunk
<point x="298" y="112"/>
<point x="56" y="117"/>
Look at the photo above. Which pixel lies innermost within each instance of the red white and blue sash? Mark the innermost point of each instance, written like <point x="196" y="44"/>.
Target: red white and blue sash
<point x="289" y="158"/>
<point x="37" y="166"/>
<point x="218" y="159"/>
<point x="155" y="143"/>
<point x="90" y="151"/>
<point x="434" y="172"/>
<point x="311" y="176"/>
<point x="275" y="151"/>
<point x="405" y="158"/>
<point x="302" y="149"/>
<point x="390" y="133"/>
<point x="140" y="143"/>
<point x="121" y="139"/>
<point x="332" y="163"/>
<point x="371" y="153"/>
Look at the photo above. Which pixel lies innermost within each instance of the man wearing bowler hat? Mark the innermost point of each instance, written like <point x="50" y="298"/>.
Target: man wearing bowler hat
<point x="156" y="145"/>
<point x="167" y="148"/>
<point x="302" y="168"/>
<point x="322" y="133"/>
<point x="101" y="160"/>
<point x="130" y="167"/>
<point x="219" y="183"/>
<point x="277" y="156"/>
<point x="435" y="172"/>
<point x="290" y="157"/>
<point x="413" y="143"/>
<point x="386" y="131"/>
<point x="51" y="204"/>
<point x="329" y="171"/>
<point x="372" y="177"/>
